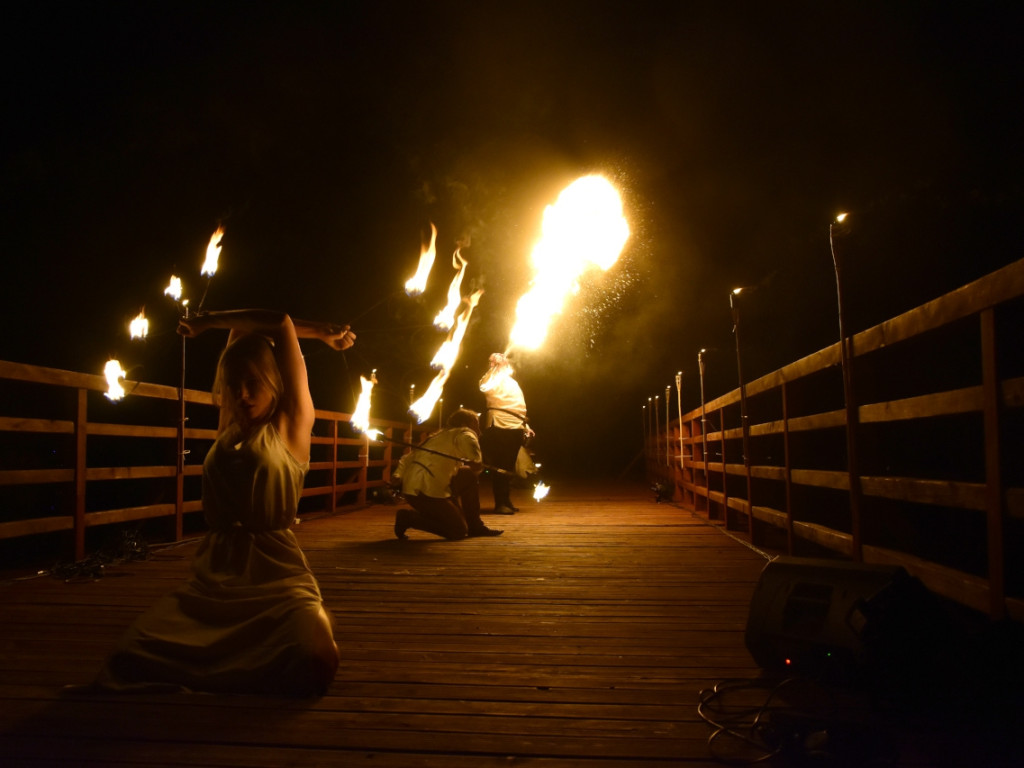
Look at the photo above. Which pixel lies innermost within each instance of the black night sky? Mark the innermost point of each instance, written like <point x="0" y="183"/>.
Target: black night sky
<point x="326" y="137"/>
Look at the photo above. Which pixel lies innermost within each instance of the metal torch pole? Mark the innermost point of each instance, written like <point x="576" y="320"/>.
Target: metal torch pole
<point x="679" y="405"/>
<point x="744" y="431"/>
<point x="668" y="432"/>
<point x="846" y="362"/>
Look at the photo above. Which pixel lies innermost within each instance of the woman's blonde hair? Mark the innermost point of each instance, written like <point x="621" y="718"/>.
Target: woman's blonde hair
<point x="247" y="355"/>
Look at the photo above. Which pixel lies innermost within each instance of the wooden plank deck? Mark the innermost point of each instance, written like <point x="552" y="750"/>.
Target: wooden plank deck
<point x="582" y="637"/>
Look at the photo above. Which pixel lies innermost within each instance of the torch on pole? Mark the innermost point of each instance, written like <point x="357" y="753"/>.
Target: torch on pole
<point x="846" y="363"/>
<point x="744" y="424"/>
<point x="679" y="405"/>
<point x="668" y="432"/>
<point x="657" y="431"/>
<point x="703" y="415"/>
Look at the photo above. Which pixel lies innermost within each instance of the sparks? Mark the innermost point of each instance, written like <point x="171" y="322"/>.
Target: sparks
<point x="213" y="253"/>
<point x="361" y="415"/>
<point x="114" y="374"/>
<point x="584" y="229"/>
<point x="416" y="284"/>
<point x="138" y="328"/>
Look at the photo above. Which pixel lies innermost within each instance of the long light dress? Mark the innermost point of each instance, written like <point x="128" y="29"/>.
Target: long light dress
<point x="244" y="620"/>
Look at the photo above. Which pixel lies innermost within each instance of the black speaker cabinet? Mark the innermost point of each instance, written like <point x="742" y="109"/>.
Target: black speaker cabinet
<point x="823" y="618"/>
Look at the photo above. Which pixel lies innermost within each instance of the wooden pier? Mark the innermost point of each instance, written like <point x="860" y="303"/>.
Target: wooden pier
<point x="583" y="636"/>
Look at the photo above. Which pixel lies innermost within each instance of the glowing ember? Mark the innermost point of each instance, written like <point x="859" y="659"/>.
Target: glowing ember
<point x="139" y="327"/>
<point x="173" y="288"/>
<point x="584" y="229"/>
<point x="446" y="317"/>
<point x="114" y="373"/>
<point x="416" y="284"/>
<point x="213" y="253"/>
<point x="361" y="414"/>
<point x="541" y="491"/>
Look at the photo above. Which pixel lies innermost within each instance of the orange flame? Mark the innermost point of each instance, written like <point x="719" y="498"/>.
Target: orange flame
<point x="113" y="371"/>
<point x="445" y="360"/>
<point x="139" y="327"/>
<point x="213" y="253"/>
<point x="416" y="284"/>
<point x="173" y="288"/>
<point x="446" y="317"/>
<point x="361" y="414"/>
<point x="585" y="228"/>
<point x="540" y="491"/>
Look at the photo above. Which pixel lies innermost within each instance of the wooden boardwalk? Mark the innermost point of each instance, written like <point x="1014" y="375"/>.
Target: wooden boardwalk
<point x="582" y="637"/>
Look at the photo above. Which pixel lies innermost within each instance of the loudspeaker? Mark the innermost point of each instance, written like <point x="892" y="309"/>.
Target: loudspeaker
<point x="830" y="619"/>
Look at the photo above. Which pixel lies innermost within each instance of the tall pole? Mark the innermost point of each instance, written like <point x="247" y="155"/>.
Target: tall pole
<point x="846" y="361"/>
<point x="704" y="430"/>
<point x="650" y="423"/>
<point x="679" y="404"/>
<point x="744" y="425"/>
<point x="412" y="400"/>
<point x="657" y="431"/>
<point x="179" y="495"/>
<point x="668" y="432"/>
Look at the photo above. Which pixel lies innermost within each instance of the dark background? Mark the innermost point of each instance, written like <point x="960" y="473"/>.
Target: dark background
<point x="325" y="137"/>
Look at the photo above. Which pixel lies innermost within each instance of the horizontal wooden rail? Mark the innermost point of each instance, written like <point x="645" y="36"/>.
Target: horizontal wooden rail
<point x="948" y="520"/>
<point x="66" y="495"/>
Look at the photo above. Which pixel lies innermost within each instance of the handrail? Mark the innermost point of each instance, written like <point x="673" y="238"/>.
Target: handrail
<point x="63" y="444"/>
<point x="948" y="520"/>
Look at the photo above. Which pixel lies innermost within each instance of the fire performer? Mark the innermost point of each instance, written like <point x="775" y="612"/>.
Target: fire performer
<point x="506" y="428"/>
<point x="250" y="619"/>
<point x="440" y="481"/>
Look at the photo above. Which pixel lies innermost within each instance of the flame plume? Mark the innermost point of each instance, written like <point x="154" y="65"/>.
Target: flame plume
<point x="416" y="284"/>
<point x="584" y="229"/>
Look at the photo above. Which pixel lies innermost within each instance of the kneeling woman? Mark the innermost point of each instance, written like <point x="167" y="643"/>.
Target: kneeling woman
<point x="250" y="619"/>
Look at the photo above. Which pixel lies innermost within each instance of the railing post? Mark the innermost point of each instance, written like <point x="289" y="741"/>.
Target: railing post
<point x="788" y="467"/>
<point x="994" y="491"/>
<point x="334" y="465"/>
<point x="81" y="462"/>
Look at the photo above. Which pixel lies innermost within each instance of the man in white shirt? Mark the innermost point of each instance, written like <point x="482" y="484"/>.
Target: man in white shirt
<point x="505" y="428"/>
<point x="440" y="482"/>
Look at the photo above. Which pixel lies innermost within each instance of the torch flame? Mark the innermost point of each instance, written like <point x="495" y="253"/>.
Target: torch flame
<point x="361" y="414"/>
<point x="416" y="284"/>
<point x="540" y="491"/>
<point x="114" y="373"/>
<point x="139" y="327"/>
<point x="213" y="253"/>
<point x="445" y="360"/>
<point x="446" y="317"/>
<point x="173" y="288"/>
<point x="585" y="228"/>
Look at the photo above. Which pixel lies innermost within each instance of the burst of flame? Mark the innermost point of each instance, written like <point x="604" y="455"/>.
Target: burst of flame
<point x="139" y="327"/>
<point x="541" y="491"/>
<point x="445" y="359"/>
<point x="213" y="253"/>
<point x="416" y="284"/>
<point x="584" y="229"/>
<point x="173" y="288"/>
<point x="114" y="373"/>
<point x="446" y="317"/>
<point x="361" y="414"/>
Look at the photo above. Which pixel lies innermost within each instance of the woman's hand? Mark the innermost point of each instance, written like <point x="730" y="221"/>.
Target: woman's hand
<point x="193" y="326"/>
<point x="338" y="337"/>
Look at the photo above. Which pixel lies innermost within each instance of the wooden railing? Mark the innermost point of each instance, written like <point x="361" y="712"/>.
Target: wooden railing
<point x="937" y="428"/>
<point x="72" y="460"/>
